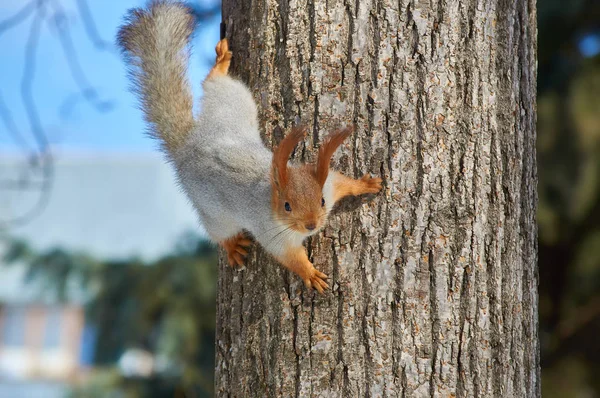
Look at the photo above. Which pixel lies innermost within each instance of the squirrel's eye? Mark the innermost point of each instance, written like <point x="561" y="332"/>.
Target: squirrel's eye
<point x="322" y="202"/>
<point x="287" y="206"/>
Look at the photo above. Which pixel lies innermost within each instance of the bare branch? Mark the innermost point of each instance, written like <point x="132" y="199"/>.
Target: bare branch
<point x="88" y="92"/>
<point x="27" y="81"/>
<point x="90" y="27"/>
<point x="44" y="158"/>
<point x="202" y="14"/>
<point x="18" y="17"/>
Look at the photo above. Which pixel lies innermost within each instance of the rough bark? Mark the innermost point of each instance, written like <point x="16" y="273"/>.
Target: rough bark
<point x="434" y="281"/>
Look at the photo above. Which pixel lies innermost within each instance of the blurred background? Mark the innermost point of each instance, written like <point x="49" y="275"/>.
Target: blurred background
<point x="106" y="285"/>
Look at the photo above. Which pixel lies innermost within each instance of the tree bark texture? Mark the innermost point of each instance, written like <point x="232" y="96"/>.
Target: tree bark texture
<point x="434" y="280"/>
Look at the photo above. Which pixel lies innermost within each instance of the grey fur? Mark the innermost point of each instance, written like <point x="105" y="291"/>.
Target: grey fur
<point x="225" y="169"/>
<point x="221" y="162"/>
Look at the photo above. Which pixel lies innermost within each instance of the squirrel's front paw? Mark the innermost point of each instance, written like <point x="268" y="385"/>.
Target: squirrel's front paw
<point x="370" y="184"/>
<point x="316" y="279"/>
<point x="235" y="248"/>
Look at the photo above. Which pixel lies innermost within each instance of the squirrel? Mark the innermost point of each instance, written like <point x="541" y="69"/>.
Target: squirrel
<point x="234" y="182"/>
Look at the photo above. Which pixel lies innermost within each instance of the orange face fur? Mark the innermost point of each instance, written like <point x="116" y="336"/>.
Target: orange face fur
<point x="299" y="203"/>
<point x="297" y="195"/>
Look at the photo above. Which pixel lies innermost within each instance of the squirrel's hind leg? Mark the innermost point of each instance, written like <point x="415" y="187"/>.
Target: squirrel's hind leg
<point x="221" y="67"/>
<point x="236" y="249"/>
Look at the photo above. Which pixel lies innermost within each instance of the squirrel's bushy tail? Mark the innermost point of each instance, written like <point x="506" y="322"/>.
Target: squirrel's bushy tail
<point x="154" y="41"/>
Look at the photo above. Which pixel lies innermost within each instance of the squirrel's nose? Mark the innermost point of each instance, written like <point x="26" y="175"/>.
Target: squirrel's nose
<point x="310" y="226"/>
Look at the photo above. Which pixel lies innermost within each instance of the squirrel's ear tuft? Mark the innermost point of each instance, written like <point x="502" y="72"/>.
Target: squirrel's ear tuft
<point x="282" y="153"/>
<point x="328" y="147"/>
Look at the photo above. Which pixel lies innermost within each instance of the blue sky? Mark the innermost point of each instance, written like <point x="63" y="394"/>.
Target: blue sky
<point x="82" y="128"/>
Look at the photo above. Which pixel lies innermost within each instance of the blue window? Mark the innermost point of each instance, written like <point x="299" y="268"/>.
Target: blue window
<point x="88" y="345"/>
<point x="13" y="326"/>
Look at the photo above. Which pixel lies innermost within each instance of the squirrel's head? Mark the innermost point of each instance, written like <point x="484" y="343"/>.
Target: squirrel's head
<point x="298" y="200"/>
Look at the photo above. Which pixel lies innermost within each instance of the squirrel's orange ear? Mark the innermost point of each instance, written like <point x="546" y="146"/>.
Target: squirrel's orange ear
<point x="282" y="153"/>
<point x="328" y="147"/>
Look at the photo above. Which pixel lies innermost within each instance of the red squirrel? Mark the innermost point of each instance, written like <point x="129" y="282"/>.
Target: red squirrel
<point x="235" y="183"/>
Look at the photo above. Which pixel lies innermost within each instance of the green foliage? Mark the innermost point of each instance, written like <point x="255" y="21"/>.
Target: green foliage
<point x="166" y="307"/>
<point x="569" y="199"/>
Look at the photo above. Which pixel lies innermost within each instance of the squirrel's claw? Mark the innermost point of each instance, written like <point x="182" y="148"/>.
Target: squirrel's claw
<point x="370" y="184"/>
<point x="222" y="50"/>
<point x="316" y="281"/>
<point x="235" y="259"/>
<point x="241" y="250"/>
<point x="235" y="247"/>
<point x="222" y="61"/>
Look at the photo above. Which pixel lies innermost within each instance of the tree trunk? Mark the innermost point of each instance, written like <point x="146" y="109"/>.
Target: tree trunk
<point x="434" y="281"/>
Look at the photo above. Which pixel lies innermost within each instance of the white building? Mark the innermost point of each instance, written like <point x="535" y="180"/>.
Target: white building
<point x="106" y="205"/>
